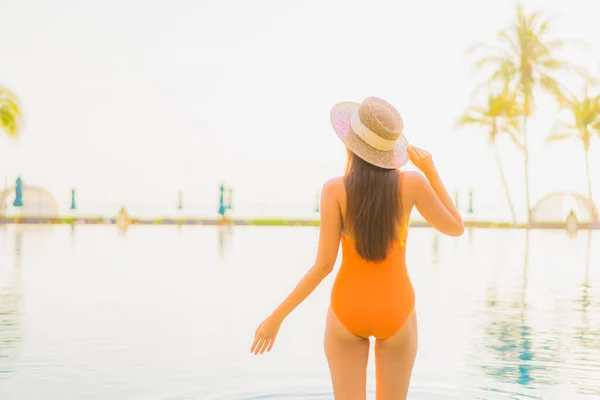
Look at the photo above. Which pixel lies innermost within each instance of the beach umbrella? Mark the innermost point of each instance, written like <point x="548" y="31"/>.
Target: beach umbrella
<point x="180" y="200"/>
<point x="73" y="205"/>
<point x="18" y="193"/>
<point x="222" y="200"/>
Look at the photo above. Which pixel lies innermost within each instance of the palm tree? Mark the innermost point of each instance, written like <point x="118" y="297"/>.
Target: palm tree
<point x="499" y="116"/>
<point x="585" y="122"/>
<point x="10" y="113"/>
<point x="525" y="60"/>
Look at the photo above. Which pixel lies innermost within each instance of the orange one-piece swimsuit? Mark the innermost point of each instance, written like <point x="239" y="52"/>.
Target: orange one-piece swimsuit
<point x="373" y="298"/>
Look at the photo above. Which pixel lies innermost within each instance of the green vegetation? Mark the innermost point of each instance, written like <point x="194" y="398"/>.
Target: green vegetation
<point x="10" y="113"/>
<point x="282" y="222"/>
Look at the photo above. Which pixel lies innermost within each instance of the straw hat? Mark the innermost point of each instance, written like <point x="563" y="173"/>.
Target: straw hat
<point x="372" y="130"/>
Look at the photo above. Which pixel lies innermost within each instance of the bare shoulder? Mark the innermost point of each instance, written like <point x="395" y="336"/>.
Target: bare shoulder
<point x="412" y="179"/>
<point x="334" y="188"/>
<point x="334" y="185"/>
<point x="412" y="183"/>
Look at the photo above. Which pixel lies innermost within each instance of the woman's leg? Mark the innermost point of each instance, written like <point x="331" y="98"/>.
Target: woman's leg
<point x="394" y="360"/>
<point x="347" y="355"/>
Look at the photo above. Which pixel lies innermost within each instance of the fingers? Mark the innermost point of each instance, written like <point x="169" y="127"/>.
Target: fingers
<point x="257" y="340"/>
<point x="258" y="345"/>
<point x="412" y="154"/>
<point x="415" y="150"/>
<point x="257" y="337"/>
<point x="265" y="345"/>
<point x="415" y="154"/>
<point x="270" y="344"/>
<point x="261" y="343"/>
<point x="261" y="346"/>
<point x="418" y="153"/>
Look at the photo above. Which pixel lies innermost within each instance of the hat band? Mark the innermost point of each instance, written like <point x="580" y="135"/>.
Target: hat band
<point x="369" y="136"/>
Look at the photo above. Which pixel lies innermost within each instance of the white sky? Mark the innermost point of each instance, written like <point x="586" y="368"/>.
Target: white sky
<point x="132" y="100"/>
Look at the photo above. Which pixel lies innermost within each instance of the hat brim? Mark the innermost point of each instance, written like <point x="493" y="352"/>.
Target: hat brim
<point x="391" y="159"/>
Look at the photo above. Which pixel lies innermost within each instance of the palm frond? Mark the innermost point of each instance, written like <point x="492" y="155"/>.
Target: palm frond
<point x="492" y="61"/>
<point x="555" y="44"/>
<point x="558" y="137"/>
<point x="471" y="117"/>
<point x="553" y="64"/>
<point x="10" y="113"/>
<point x="558" y="44"/>
<point x="562" y="131"/>
<point x="596" y="127"/>
<point x="521" y="19"/>
<point x="505" y="73"/>
<point x="499" y="115"/>
<point x="554" y="88"/>
<point x="582" y="72"/>
<point x="512" y="44"/>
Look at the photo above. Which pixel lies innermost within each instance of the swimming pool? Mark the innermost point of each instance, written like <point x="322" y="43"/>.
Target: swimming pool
<point x="166" y="312"/>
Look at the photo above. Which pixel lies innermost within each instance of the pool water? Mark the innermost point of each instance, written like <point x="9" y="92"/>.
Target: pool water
<point x="166" y="312"/>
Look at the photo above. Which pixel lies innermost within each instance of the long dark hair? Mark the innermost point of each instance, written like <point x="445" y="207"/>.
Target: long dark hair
<point x="373" y="209"/>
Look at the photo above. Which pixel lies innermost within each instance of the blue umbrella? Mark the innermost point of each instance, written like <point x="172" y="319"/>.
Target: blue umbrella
<point x="222" y="207"/>
<point x="73" y="205"/>
<point x="18" y="193"/>
<point x="224" y="203"/>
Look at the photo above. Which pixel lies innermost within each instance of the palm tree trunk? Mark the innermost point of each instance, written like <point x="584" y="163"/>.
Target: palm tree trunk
<point x="526" y="151"/>
<point x="589" y="179"/>
<point x="505" y="184"/>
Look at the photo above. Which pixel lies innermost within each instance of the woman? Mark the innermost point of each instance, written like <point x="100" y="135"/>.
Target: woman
<point x="368" y="210"/>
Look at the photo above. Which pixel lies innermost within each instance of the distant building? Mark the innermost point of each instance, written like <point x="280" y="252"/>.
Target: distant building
<point x="37" y="202"/>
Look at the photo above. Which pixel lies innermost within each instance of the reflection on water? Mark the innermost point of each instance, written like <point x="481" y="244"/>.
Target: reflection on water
<point x="224" y="232"/>
<point x="167" y="312"/>
<point x="587" y="329"/>
<point x="73" y="233"/>
<point x="436" y="248"/>
<point x="470" y="235"/>
<point x="508" y="337"/>
<point x="539" y="355"/>
<point x="9" y="303"/>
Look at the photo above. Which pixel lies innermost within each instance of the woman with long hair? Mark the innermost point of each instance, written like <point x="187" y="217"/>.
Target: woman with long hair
<point x="368" y="211"/>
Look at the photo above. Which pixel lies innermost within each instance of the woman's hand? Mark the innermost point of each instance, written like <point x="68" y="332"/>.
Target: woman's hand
<point x="421" y="159"/>
<point x="265" y="335"/>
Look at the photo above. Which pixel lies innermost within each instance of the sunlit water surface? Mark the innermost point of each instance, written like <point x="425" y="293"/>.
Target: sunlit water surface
<point x="169" y="313"/>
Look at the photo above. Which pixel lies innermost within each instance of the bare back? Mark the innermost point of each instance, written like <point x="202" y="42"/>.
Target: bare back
<point x="414" y="191"/>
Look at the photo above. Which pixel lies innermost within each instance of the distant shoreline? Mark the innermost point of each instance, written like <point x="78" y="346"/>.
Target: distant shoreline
<point x="265" y="222"/>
